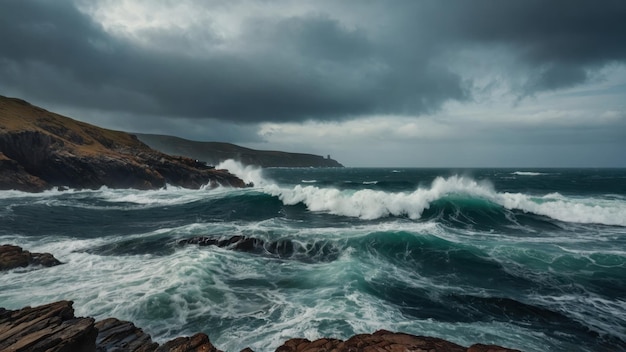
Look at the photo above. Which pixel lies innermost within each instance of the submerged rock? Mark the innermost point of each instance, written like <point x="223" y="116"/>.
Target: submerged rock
<point x="320" y="251"/>
<point x="12" y="257"/>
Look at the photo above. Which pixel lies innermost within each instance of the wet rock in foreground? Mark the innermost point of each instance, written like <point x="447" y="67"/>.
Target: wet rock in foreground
<point x="384" y="341"/>
<point x="53" y="328"/>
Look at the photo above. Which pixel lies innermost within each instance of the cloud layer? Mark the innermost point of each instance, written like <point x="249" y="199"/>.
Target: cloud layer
<point x="242" y="63"/>
<point x="323" y="65"/>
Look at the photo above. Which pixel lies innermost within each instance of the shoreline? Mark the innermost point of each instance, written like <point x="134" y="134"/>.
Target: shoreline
<point x="54" y="328"/>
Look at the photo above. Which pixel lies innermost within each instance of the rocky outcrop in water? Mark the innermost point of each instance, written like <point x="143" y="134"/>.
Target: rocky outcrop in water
<point x="40" y="149"/>
<point x="12" y="257"/>
<point x="54" y="328"/>
<point x="282" y="249"/>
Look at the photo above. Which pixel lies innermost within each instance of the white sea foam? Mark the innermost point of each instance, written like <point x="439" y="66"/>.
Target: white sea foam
<point x="599" y="313"/>
<point x="309" y="181"/>
<point x="164" y="196"/>
<point x="528" y="173"/>
<point x="247" y="173"/>
<point x="371" y="204"/>
<point x="583" y="210"/>
<point x="229" y="294"/>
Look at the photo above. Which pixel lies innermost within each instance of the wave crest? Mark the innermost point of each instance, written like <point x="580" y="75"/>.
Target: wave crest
<point x="371" y="204"/>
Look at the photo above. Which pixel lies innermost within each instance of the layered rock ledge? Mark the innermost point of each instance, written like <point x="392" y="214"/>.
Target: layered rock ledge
<point x="54" y="328"/>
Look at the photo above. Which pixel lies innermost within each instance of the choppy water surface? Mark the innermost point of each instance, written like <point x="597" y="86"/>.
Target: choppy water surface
<point x="528" y="259"/>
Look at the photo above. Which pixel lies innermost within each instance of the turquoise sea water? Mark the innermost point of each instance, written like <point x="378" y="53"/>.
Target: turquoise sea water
<point x="525" y="258"/>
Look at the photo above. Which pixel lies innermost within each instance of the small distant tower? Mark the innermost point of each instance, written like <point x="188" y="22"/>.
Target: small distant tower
<point x="328" y="156"/>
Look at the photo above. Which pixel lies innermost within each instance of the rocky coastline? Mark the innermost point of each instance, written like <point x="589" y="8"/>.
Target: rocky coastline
<point x="53" y="327"/>
<point x="40" y="150"/>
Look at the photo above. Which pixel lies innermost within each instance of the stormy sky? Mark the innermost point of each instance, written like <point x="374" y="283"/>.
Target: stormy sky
<point x="465" y="83"/>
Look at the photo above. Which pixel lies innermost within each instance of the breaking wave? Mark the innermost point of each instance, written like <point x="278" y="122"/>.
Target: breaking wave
<point x="371" y="204"/>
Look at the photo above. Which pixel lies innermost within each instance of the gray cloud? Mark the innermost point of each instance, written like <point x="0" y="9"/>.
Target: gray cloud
<point x="557" y="43"/>
<point x="310" y="66"/>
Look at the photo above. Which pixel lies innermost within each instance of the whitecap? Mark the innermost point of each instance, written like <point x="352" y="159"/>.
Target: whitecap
<point x="527" y="173"/>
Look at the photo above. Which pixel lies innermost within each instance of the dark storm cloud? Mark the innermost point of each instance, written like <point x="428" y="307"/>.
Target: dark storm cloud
<point x="311" y="66"/>
<point x="557" y="42"/>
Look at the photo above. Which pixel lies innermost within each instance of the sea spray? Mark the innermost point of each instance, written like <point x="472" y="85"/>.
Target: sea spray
<point x="529" y="262"/>
<point x="370" y="204"/>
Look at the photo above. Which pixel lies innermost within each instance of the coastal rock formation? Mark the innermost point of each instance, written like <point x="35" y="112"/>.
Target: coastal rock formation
<point x="118" y="335"/>
<point x="216" y="152"/>
<point x="196" y="343"/>
<point x="282" y="248"/>
<point x="384" y="341"/>
<point x="12" y="257"/>
<point x="53" y="328"/>
<point x="50" y="328"/>
<point x="40" y="149"/>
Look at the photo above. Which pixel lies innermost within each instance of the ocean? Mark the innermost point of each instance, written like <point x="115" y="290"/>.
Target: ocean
<point x="533" y="259"/>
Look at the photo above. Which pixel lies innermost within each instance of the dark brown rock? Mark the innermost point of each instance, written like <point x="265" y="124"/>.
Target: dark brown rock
<point x="116" y="335"/>
<point x="14" y="176"/>
<point x="12" y="257"/>
<point x="196" y="343"/>
<point x="51" y="328"/>
<point x="384" y="341"/>
<point x="489" y="348"/>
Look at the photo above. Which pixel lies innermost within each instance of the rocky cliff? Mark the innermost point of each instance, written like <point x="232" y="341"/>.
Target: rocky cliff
<point x="40" y="149"/>
<point x="216" y="152"/>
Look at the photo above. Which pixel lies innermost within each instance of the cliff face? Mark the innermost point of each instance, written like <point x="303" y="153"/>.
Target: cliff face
<point x="40" y="149"/>
<point x="216" y="152"/>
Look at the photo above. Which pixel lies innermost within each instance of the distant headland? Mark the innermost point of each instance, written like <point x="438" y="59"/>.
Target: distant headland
<point x="214" y="153"/>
